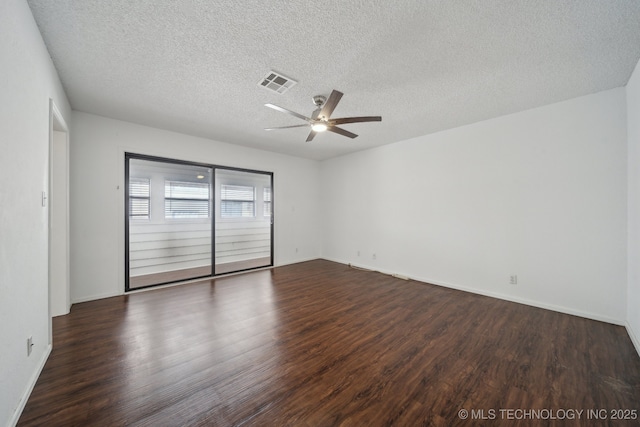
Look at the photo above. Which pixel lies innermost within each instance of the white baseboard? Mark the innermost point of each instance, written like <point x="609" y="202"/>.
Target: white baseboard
<point x="298" y="261"/>
<point x="633" y="336"/>
<point x="32" y="383"/>
<point x="510" y="298"/>
<point x="532" y="303"/>
<point x="94" y="297"/>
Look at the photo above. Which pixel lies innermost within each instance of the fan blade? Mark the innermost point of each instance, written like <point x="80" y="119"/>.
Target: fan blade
<point x="355" y="120"/>
<point x="287" y="127"/>
<point x="293" y="113"/>
<point x="312" y="135"/>
<point x="341" y="131"/>
<point x="331" y="104"/>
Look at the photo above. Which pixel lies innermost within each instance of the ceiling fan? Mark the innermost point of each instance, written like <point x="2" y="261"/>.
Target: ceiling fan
<point x="321" y="120"/>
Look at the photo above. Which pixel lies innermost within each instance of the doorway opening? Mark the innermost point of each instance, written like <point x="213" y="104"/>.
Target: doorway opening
<point x="59" y="286"/>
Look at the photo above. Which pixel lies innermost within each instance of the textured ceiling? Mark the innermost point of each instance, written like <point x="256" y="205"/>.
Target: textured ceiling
<point x="193" y="66"/>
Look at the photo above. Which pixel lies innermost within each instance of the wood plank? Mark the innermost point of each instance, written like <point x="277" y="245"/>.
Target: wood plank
<point x="318" y="343"/>
<point x="228" y="265"/>
<point x="141" y="271"/>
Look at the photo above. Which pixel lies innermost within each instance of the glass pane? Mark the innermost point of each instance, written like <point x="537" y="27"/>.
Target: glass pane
<point x="243" y="232"/>
<point x="174" y="243"/>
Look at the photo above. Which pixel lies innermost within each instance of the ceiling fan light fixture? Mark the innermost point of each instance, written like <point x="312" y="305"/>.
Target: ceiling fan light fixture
<point x="321" y="120"/>
<point x="319" y="127"/>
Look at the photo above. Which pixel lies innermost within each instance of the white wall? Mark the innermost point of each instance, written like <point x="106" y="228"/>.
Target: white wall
<point x="633" y="136"/>
<point x="540" y="194"/>
<point x="28" y="80"/>
<point x="97" y="199"/>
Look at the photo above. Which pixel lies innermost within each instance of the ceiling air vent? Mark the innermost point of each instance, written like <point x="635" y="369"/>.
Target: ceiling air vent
<point x="277" y="82"/>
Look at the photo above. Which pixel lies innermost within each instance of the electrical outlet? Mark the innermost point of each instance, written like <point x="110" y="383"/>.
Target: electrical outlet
<point x="296" y="250"/>
<point x="29" y="345"/>
<point x="374" y="256"/>
<point x="513" y="279"/>
<point x="358" y="253"/>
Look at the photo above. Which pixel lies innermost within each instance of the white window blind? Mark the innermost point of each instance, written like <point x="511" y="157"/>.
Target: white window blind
<point x="237" y="201"/>
<point x="139" y="198"/>
<point x="186" y="199"/>
<point x="267" y="201"/>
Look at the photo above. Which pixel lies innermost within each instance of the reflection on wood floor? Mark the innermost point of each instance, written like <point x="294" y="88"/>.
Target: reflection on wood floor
<point x="137" y="282"/>
<point x="320" y="344"/>
<point x="230" y="267"/>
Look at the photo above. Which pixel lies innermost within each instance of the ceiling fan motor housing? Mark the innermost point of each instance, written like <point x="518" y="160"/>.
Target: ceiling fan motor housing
<point x="319" y="100"/>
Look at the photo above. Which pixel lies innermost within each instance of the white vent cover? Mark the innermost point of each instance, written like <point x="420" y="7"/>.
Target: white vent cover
<point x="276" y="82"/>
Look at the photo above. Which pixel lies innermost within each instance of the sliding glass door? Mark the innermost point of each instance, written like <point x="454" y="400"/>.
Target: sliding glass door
<point x="243" y="220"/>
<point x="187" y="220"/>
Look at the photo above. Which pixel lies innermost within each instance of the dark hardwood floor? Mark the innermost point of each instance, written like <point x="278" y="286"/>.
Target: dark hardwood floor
<point x="320" y="344"/>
